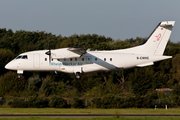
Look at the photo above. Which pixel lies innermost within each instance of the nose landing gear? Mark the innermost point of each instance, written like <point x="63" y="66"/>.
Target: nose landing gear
<point x="19" y="73"/>
<point x="19" y="76"/>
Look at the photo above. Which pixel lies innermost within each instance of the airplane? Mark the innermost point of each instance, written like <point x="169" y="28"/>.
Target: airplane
<point x="78" y="60"/>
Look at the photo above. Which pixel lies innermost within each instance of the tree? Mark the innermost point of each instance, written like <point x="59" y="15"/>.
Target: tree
<point x="6" y="56"/>
<point x="10" y="84"/>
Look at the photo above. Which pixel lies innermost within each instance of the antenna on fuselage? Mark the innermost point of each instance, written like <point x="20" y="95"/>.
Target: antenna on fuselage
<point x="49" y="53"/>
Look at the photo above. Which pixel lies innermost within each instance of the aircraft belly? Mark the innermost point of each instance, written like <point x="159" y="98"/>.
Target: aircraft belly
<point x="70" y="69"/>
<point x="94" y="67"/>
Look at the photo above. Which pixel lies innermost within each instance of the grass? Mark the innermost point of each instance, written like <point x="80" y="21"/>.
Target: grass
<point x="14" y="111"/>
<point x="108" y="118"/>
<point x="115" y="112"/>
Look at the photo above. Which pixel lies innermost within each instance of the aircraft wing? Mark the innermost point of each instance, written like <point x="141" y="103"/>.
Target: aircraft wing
<point x="77" y="50"/>
<point x="73" y="52"/>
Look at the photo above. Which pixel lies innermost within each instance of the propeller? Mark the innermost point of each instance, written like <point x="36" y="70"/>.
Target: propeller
<point x="49" y="53"/>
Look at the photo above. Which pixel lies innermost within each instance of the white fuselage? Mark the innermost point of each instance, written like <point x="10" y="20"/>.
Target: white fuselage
<point x="92" y="61"/>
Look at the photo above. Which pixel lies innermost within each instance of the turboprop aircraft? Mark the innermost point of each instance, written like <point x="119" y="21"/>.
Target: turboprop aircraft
<point x="78" y="60"/>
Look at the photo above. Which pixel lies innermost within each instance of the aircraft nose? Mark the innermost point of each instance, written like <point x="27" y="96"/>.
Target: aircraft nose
<point x="8" y="66"/>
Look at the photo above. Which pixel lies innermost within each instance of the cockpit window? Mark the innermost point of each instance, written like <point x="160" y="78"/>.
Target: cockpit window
<point x="24" y="57"/>
<point x="18" y="57"/>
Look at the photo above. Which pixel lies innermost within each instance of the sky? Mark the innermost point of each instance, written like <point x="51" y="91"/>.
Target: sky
<point x="118" y="19"/>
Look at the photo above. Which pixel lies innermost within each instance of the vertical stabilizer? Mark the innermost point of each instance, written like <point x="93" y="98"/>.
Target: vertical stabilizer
<point x="157" y="41"/>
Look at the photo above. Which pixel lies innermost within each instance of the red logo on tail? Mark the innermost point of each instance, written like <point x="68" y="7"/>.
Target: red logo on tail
<point x="158" y="37"/>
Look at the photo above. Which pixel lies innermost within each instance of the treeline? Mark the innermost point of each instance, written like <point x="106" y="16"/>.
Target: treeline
<point x="110" y="101"/>
<point x="118" y="89"/>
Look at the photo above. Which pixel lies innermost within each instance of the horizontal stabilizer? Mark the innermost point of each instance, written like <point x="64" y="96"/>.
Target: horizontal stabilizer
<point x="154" y="59"/>
<point x="167" y="23"/>
<point x="145" y="64"/>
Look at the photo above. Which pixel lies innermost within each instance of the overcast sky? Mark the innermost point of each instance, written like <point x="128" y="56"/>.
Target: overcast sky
<point x="118" y="19"/>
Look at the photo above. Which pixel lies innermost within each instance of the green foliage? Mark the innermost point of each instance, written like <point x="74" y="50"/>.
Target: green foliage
<point x="11" y="85"/>
<point x="77" y="103"/>
<point x="32" y="102"/>
<point x="47" y="87"/>
<point x="57" y="102"/>
<point x="6" y="56"/>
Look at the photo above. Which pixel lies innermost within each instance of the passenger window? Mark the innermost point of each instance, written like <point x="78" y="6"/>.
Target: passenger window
<point x="82" y="59"/>
<point x="64" y="59"/>
<point x="24" y="57"/>
<point x="104" y="59"/>
<point x="110" y="59"/>
<point x="71" y="59"/>
<point x="45" y="59"/>
<point x="95" y="59"/>
<point x="75" y="59"/>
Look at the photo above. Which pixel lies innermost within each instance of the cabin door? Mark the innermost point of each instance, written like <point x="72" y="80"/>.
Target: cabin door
<point x="36" y="61"/>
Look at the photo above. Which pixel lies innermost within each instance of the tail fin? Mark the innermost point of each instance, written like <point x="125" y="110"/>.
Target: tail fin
<point x="156" y="42"/>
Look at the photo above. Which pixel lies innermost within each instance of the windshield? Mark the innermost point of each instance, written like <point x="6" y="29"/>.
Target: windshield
<point x="22" y="57"/>
<point x="18" y="57"/>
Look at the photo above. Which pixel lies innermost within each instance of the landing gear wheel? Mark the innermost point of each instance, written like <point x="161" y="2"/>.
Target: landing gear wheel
<point x="77" y="75"/>
<point x="19" y="76"/>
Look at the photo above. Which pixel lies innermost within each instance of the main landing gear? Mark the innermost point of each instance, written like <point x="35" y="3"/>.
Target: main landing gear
<point x="77" y="75"/>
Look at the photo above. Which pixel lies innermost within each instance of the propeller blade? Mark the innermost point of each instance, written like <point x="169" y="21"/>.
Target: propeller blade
<point x="49" y="59"/>
<point x="49" y="53"/>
